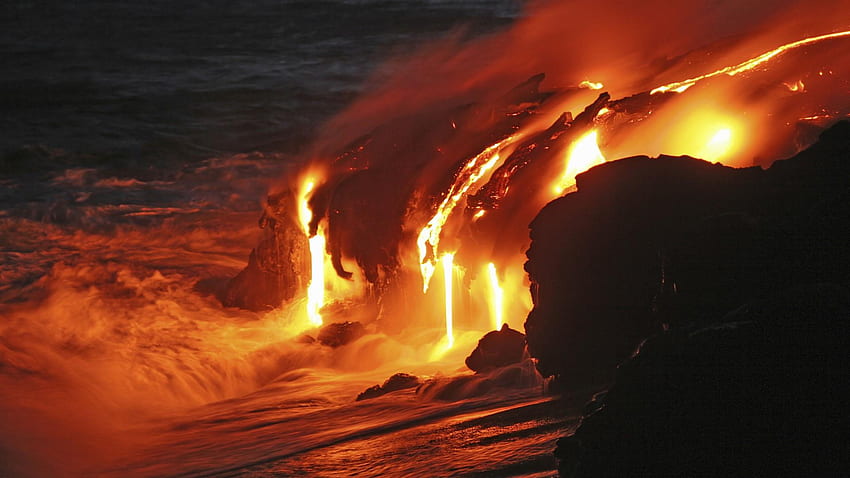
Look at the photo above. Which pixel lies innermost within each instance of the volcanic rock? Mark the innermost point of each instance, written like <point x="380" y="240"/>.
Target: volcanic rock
<point x="761" y="392"/>
<point x="340" y="333"/>
<point x="278" y="268"/>
<point x="497" y="349"/>
<point x="399" y="381"/>
<point x="647" y="244"/>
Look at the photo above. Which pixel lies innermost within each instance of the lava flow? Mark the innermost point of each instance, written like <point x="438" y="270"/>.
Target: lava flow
<point x="475" y="205"/>
<point x="316" y="286"/>
<point x="122" y="311"/>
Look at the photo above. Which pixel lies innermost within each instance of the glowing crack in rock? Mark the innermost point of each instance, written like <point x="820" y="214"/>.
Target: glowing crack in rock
<point x="748" y="65"/>
<point x="496" y="296"/>
<point x="583" y="154"/>
<point x="428" y="240"/>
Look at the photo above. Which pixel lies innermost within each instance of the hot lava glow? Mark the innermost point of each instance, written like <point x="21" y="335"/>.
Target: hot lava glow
<point x="718" y="145"/>
<point x="316" y="287"/>
<point x="496" y="296"/>
<point x="681" y="86"/>
<point x="448" y="276"/>
<point x="429" y="238"/>
<point x="583" y="154"/>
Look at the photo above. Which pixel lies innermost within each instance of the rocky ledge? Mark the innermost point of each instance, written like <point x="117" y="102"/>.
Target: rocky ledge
<point x="736" y="279"/>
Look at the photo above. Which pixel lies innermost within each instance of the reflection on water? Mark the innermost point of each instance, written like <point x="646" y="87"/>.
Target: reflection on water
<point x="116" y="358"/>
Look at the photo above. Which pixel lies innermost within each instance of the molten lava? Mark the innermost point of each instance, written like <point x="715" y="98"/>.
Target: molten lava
<point x="681" y="86"/>
<point x="496" y="296"/>
<point x="316" y="287"/>
<point x="583" y="154"/>
<point x="429" y="238"/>
<point x="448" y="276"/>
<point x="718" y="145"/>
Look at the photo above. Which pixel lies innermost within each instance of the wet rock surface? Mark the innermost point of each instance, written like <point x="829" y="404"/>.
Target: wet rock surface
<point x="340" y="333"/>
<point x="399" y="381"/>
<point x="497" y="349"/>
<point x="279" y="267"/>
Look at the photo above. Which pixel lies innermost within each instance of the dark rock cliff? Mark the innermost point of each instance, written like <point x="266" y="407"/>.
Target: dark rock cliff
<point x="737" y="281"/>
<point x="651" y="243"/>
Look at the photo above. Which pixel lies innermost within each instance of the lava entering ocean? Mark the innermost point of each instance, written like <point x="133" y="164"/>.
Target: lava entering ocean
<point x="117" y="356"/>
<point x="457" y="185"/>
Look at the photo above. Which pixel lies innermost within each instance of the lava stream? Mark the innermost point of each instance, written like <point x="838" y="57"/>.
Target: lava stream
<point x="681" y="86"/>
<point x="429" y="238"/>
<point x="448" y="276"/>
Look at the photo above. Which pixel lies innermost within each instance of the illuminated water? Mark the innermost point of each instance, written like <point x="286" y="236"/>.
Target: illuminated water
<point x="139" y="140"/>
<point x="116" y="358"/>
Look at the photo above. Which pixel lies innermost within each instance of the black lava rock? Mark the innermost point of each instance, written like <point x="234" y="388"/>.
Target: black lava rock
<point x="762" y="392"/>
<point x="497" y="349"/>
<point x="399" y="381"/>
<point x="340" y="333"/>
<point x="646" y="244"/>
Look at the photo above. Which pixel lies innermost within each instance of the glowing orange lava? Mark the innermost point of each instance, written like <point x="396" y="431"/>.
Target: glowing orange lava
<point x="316" y="289"/>
<point x="448" y="276"/>
<point x="748" y="65"/>
<point x="797" y="86"/>
<point x="583" y="154"/>
<point x="496" y="297"/>
<point x="429" y="238"/>
<point x="591" y="85"/>
<point x="718" y="145"/>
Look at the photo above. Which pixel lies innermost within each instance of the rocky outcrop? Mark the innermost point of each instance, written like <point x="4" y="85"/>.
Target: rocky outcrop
<point x="338" y="334"/>
<point x="497" y="349"/>
<point x="399" y="381"/>
<point x="646" y="244"/>
<point x="759" y="393"/>
<point x="279" y="267"/>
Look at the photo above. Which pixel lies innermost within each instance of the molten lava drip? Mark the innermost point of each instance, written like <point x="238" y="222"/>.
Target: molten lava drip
<point x="429" y="238"/>
<point x="696" y="127"/>
<point x="448" y="275"/>
<point x="496" y="296"/>
<point x="316" y="287"/>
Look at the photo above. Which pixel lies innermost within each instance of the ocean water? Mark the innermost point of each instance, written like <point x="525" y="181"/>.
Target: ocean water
<point x="170" y="80"/>
<point x="138" y="140"/>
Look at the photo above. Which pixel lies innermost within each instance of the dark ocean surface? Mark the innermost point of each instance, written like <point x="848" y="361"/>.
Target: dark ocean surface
<point x="161" y="80"/>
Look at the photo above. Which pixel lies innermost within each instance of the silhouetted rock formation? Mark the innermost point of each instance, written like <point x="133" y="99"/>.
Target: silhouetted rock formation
<point x="646" y="243"/>
<point x="279" y="267"/>
<point x="497" y="349"/>
<point x="761" y="393"/>
<point x="399" y="381"/>
<point x="340" y="333"/>
<point x="740" y="279"/>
